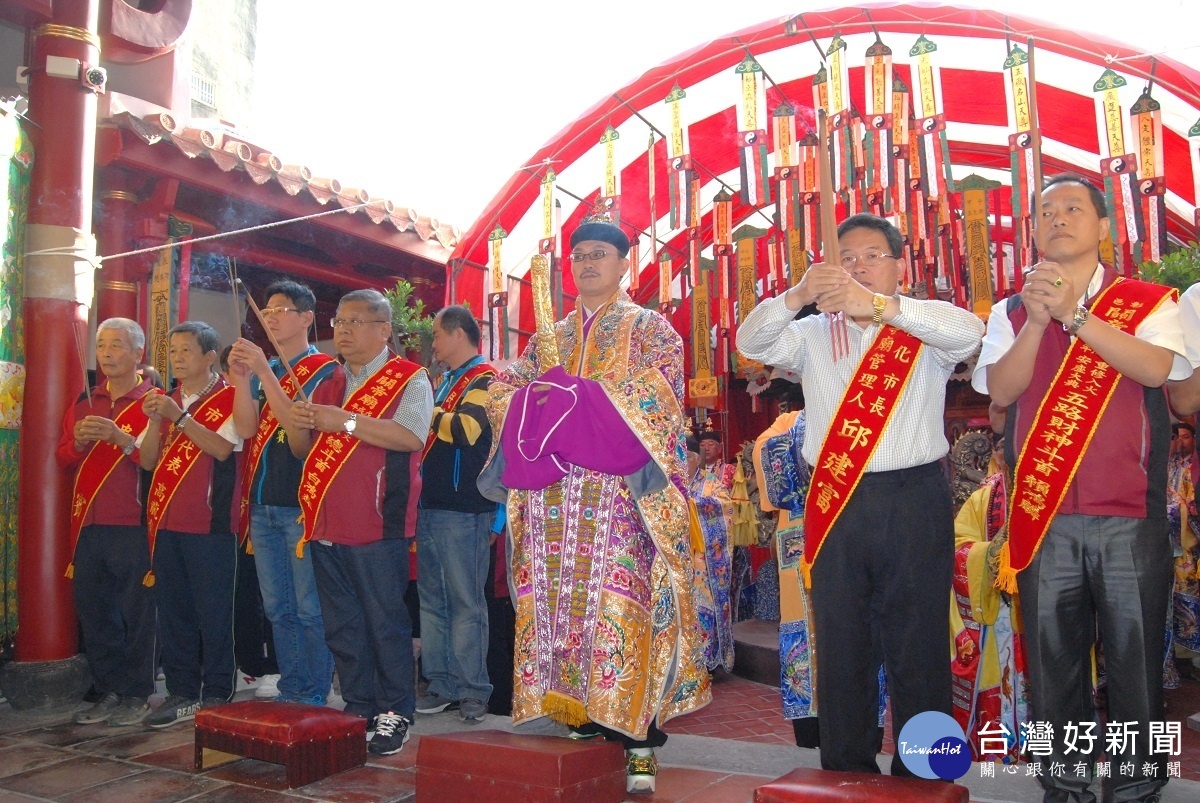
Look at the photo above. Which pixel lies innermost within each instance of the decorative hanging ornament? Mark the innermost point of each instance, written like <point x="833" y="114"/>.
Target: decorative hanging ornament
<point x="1145" y="123"/>
<point x="752" y="140"/>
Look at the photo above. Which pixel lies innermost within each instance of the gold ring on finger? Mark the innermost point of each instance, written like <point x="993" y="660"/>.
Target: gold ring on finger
<point x="1058" y="282"/>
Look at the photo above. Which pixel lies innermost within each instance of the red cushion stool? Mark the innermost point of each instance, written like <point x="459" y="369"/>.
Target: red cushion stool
<point x="311" y="742"/>
<point x="492" y="765"/>
<point x="823" y="785"/>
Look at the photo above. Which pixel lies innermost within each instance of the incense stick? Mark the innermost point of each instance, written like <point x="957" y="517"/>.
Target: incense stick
<point x="82" y="355"/>
<point x="838" y="333"/>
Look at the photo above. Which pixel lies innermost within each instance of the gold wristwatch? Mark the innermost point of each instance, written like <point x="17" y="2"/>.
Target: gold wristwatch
<point x="878" y="305"/>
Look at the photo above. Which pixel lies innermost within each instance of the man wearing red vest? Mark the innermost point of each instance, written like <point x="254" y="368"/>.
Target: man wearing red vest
<point x="269" y="508"/>
<point x="101" y="433"/>
<point x="1080" y="359"/>
<point x="188" y="444"/>
<point x="361" y="437"/>
<point x="879" y="525"/>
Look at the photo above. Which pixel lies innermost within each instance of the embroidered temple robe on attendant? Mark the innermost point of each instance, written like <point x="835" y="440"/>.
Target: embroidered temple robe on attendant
<point x="1184" y="613"/>
<point x="783" y="478"/>
<point x="987" y="640"/>
<point x="710" y="492"/>
<point x="605" y="618"/>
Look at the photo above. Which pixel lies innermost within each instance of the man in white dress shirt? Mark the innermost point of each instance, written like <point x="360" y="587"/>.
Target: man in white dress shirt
<point x="1185" y="394"/>
<point x="1079" y="359"/>
<point x="879" y="509"/>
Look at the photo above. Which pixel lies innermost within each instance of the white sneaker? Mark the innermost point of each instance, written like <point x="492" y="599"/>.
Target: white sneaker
<point x="244" y="682"/>
<point x="268" y="687"/>
<point x="640" y="768"/>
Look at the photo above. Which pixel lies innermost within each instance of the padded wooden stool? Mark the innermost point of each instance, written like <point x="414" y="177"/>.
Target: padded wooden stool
<point x="312" y="742"/>
<point x="492" y="765"/>
<point x="823" y="785"/>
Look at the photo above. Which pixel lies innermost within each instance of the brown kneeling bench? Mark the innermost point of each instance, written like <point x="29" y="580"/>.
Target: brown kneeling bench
<point x="312" y="742"/>
<point x="499" y="767"/>
<point x="820" y="786"/>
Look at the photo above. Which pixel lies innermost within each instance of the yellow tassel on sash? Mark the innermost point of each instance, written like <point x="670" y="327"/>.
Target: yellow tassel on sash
<point x="300" y="544"/>
<point x="148" y="580"/>
<point x="70" y="575"/>
<point x="564" y="709"/>
<point x="806" y="572"/>
<point x="249" y="546"/>
<point x="1006" y="575"/>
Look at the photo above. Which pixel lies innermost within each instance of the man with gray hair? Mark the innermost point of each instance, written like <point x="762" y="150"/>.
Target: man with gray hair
<point x="361" y="437"/>
<point x="101" y="435"/>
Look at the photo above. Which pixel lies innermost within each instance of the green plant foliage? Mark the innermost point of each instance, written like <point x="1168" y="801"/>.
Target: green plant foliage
<point x="1179" y="269"/>
<point x="410" y="325"/>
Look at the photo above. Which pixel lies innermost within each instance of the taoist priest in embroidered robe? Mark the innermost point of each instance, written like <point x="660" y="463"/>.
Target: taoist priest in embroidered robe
<point x="879" y="510"/>
<point x="593" y="452"/>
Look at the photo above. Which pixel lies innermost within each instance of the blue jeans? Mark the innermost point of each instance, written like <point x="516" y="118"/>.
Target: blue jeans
<point x="366" y="623"/>
<point x="289" y="594"/>
<point x="452" y="565"/>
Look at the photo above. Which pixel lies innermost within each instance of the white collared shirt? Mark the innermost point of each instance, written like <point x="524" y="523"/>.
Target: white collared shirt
<point x="1161" y="327"/>
<point x="1189" y="321"/>
<point x="916" y="433"/>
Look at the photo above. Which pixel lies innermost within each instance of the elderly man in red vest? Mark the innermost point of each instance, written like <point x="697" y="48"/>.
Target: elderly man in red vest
<point x="361" y="436"/>
<point x="189" y="442"/>
<point x="1080" y="358"/>
<point x="111" y="556"/>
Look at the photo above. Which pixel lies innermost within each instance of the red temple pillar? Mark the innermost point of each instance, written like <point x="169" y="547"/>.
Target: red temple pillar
<point x="116" y="285"/>
<point x="47" y="672"/>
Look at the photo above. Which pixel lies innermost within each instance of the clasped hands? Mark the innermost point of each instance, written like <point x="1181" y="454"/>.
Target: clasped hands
<point x="161" y="407"/>
<point x="94" y="429"/>
<point x="319" y="417"/>
<point x="246" y="358"/>
<point x="1049" y="294"/>
<point x="833" y="289"/>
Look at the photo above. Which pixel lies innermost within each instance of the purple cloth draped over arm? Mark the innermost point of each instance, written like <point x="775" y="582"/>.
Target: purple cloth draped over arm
<point x="559" y="419"/>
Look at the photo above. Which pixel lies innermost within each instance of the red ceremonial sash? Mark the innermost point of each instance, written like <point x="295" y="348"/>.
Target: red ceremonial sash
<point x="331" y="450"/>
<point x="95" y="469"/>
<point x="1066" y="420"/>
<point x="179" y="457"/>
<point x="456" y="391"/>
<point x="268" y="424"/>
<point x="855" y="433"/>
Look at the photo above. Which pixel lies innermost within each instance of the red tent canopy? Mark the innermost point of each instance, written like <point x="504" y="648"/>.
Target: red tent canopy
<point x="972" y="46"/>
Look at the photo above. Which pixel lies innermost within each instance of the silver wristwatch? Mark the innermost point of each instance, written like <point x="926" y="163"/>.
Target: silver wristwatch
<point x="1082" y="314"/>
<point x="351" y="423"/>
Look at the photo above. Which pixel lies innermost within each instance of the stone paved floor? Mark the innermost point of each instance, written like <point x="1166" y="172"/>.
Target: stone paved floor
<point x="718" y="754"/>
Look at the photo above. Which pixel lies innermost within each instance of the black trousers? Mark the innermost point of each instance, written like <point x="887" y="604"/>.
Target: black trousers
<point x="195" y="589"/>
<point x="654" y="736"/>
<point x="1111" y="575"/>
<point x="880" y="585"/>
<point x="116" y="610"/>
<point x="367" y="626"/>
<point x="254" y="647"/>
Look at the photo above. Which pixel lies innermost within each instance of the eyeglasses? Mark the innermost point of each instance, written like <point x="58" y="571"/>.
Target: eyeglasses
<point x="269" y="311"/>
<point x="866" y="260"/>
<point x="352" y="323"/>
<point x="595" y="256"/>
